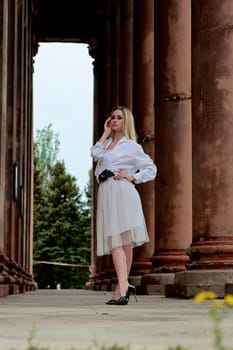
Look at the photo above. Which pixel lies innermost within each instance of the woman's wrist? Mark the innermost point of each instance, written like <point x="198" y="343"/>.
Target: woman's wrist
<point x="104" y="137"/>
<point x="131" y="178"/>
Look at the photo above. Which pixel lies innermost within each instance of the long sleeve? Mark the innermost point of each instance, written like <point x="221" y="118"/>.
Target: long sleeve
<point x="147" y="170"/>
<point x="97" y="151"/>
<point x="127" y="155"/>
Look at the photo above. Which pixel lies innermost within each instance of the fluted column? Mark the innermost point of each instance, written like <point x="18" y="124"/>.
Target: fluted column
<point x="15" y="148"/>
<point x="115" y="52"/>
<point x="98" y="109"/>
<point x="15" y="139"/>
<point x="25" y="134"/>
<point x="107" y="60"/>
<point x="212" y="77"/>
<point x="29" y="153"/>
<point x="11" y="189"/>
<point x="19" y="127"/>
<point x="211" y="251"/>
<point x="173" y="135"/>
<point x="143" y="109"/>
<point x="126" y="56"/>
<point x="3" y="114"/>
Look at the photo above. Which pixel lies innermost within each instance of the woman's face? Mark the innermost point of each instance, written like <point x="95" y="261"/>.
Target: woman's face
<point x="117" y="121"/>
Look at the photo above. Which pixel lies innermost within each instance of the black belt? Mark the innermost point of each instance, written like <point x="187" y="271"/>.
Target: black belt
<point x="105" y="175"/>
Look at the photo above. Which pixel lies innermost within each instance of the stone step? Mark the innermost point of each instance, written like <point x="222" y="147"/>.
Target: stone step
<point x="190" y="290"/>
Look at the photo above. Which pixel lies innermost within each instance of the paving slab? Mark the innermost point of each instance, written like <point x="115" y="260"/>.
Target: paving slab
<point x="79" y="319"/>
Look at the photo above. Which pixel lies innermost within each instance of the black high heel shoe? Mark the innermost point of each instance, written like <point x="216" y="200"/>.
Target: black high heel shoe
<point x="111" y="302"/>
<point x="131" y="290"/>
<point x="120" y="301"/>
<point x="125" y="299"/>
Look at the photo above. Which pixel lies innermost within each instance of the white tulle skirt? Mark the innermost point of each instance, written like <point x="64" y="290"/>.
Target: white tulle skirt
<point x="120" y="219"/>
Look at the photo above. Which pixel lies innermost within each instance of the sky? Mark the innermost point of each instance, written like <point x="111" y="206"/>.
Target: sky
<point x="63" y="97"/>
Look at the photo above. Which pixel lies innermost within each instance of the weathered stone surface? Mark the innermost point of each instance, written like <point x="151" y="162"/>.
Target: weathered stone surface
<point x="4" y="290"/>
<point x="204" y="277"/>
<point x="228" y="288"/>
<point x="190" y="290"/>
<point x="188" y="283"/>
<point x="13" y="289"/>
<point x="154" y="283"/>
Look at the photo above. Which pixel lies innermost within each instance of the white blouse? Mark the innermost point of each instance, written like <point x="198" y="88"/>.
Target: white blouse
<point x="127" y="155"/>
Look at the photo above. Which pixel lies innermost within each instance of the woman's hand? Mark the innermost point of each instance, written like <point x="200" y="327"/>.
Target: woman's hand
<point x="107" y="130"/>
<point x="122" y="174"/>
<point x="107" y="127"/>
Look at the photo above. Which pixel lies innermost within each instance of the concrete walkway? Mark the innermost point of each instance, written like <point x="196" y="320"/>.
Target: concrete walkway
<point x="80" y="319"/>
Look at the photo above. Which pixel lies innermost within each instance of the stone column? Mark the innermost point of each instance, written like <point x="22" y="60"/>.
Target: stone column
<point x="23" y="132"/>
<point x="107" y="73"/>
<point x="143" y="109"/>
<point x="27" y="129"/>
<point x="30" y="147"/>
<point x="212" y="91"/>
<point x="173" y="135"/>
<point x="25" y="136"/>
<point x="212" y="135"/>
<point x="101" y="73"/>
<point x="94" y="270"/>
<point x="19" y="128"/>
<point x="115" y="52"/>
<point x="11" y="189"/>
<point x="126" y="54"/>
<point x="3" y="114"/>
<point x="15" y="139"/>
<point x="4" y="277"/>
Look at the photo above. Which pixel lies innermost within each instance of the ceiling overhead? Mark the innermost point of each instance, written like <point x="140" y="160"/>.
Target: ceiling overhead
<point x="67" y="20"/>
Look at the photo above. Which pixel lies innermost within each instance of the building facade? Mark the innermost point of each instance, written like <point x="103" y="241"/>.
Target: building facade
<point x="170" y="61"/>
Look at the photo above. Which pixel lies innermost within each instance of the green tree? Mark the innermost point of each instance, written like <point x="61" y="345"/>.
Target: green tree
<point x="65" y="237"/>
<point x="46" y="151"/>
<point x="62" y="219"/>
<point x="88" y="190"/>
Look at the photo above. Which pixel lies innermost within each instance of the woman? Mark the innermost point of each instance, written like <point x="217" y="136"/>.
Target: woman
<point x="121" y="163"/>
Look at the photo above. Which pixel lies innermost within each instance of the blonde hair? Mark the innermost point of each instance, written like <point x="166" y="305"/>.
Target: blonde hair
<point x="129" y="126"/>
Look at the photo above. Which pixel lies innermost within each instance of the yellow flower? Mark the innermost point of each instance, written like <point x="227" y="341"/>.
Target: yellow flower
<point x="217" y="304"/>
<point x="205" y="295"/>
<point x="229" y="299"/>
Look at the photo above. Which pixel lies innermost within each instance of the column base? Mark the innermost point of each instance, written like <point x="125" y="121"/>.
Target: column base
<point x="213" y="254"/>
<point x="141" y="267"/>
<point x="228" y="288"/>
<point x="99" y="285"/>
<point x="4" y="290"/>
<point x="188" y="283"/>
<point x="169" y="260"/>
<point x="14" y="278"/>
<point x="148" y="284"/>
<point x="13" y="289"/>
<point x="154" y="283"/>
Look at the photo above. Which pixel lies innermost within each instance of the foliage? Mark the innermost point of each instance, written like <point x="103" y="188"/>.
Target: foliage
<point x="216" y="314"/>
<point x="46" y="151"/>
<point x="88" y="191"/>
<point x="114" y="347"/>
<point x="32" y="346"/>
<point x="62" y="224"/>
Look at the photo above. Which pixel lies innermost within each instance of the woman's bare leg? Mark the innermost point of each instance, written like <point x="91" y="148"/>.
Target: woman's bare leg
<point x="128" y="249"/>
<point x="120" y="263"/>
